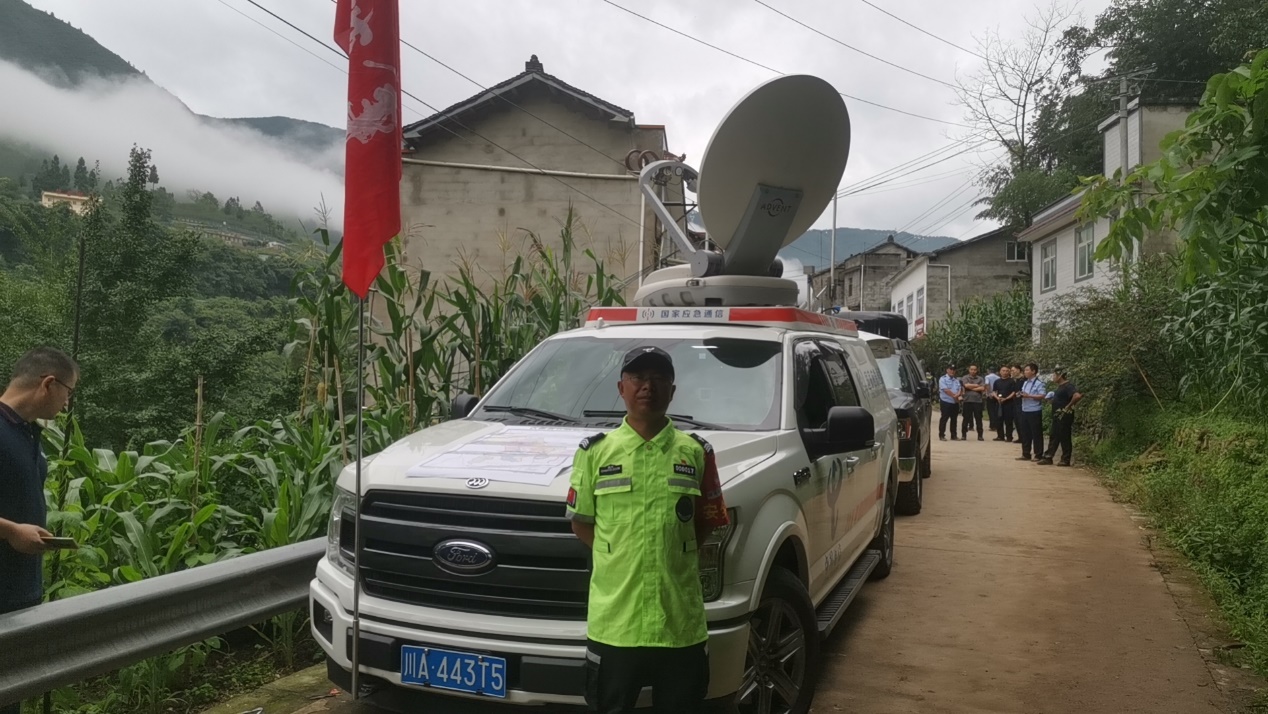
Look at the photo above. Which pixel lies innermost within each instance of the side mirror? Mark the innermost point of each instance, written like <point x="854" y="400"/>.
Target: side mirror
<point x="463" y="404"/>
<point x="850" y="429"/>
<point x="922" y="391"/>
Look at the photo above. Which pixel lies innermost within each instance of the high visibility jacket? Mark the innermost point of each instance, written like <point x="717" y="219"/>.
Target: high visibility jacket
<point x="643" y="498"/>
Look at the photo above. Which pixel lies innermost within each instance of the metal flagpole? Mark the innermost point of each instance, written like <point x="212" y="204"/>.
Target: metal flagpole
<point x="357" y="537"/>
<point x="832" y="257"/>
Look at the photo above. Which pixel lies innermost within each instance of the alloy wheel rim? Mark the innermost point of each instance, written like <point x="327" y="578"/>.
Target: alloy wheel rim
<point x="775" y="667"/>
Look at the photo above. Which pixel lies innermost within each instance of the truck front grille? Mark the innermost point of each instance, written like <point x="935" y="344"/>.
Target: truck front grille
<point x="542" y="570"/>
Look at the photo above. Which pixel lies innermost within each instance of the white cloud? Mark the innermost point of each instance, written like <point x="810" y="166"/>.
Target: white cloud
<point x="101" y="120"/>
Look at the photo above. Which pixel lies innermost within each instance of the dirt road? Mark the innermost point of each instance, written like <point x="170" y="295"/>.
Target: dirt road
<point x="1021" y="589"/>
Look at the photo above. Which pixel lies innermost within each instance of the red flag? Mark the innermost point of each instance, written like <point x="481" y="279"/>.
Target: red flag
<point x="369" y="31"/>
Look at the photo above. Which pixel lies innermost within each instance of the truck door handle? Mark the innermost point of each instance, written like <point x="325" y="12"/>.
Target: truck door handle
<point x="850" y="463"/>
<point x="876" y="446"/>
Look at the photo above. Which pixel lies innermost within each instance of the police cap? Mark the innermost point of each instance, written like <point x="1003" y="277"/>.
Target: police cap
<point x="649" y="357"/>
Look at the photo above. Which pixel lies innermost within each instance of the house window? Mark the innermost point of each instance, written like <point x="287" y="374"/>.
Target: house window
<point x="850" y="286"/>
<point x="1048" y="266"/>
<point x="1016" y="252"/>
<point x="920" y="302"/>
<point x="1084" y="246"/>
<point x="911" y="314"/>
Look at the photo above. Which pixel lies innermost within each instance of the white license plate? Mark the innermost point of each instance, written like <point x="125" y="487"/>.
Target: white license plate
<point x="455" y="671"/>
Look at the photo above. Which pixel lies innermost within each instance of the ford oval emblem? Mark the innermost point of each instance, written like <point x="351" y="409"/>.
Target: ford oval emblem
<point x="477" y="482"/>
<point x="464" y="557"/>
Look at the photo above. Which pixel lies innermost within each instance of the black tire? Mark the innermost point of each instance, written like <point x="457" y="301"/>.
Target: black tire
<point x="884" y="541"/>
<point x="784" y="615"/>
<point x="927" y="461"/>
<point x="911" y="495"/>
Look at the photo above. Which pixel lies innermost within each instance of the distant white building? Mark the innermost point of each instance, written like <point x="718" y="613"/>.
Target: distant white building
<point x="76" y="201"/>
<point x="1062" y="246"/>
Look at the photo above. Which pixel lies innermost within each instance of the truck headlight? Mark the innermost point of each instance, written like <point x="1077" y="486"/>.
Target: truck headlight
<point x="711" y="557"/>
<point x="342" y="531"/>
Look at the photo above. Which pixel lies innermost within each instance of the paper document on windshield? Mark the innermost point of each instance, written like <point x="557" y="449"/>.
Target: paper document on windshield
<point x="516" y="454"/>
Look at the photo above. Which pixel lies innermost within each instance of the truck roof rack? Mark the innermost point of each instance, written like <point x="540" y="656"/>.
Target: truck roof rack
<point x="787" y="318"/>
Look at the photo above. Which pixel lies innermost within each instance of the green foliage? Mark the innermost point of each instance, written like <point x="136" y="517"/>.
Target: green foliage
<point x="1120" y="345"/>
<point x="982" y="332"/>
<point x="1204" y="481"/>
<point x="1017" y="193"/>
<point x="1185" y="40"/>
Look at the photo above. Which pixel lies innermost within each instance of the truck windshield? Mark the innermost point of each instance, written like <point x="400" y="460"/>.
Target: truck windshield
<point x="730" y="383"/>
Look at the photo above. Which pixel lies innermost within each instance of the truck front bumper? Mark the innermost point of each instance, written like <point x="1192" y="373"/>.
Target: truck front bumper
<point x="906" y="460"/>
<point x="542" y="669"/>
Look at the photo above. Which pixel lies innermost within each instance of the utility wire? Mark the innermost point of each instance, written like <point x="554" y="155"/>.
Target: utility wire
<point x="449" y="67"/>
<point x="790" y="18"/>
<point x="755" y="63"/>
<point x="954" y="215"/>
<point x="924" y="31"/>
<point x="454" y="120"/>
<point x="929" y="211"/>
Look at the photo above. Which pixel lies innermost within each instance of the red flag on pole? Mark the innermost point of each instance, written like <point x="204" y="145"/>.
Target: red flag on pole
<point x="369" y="31"/>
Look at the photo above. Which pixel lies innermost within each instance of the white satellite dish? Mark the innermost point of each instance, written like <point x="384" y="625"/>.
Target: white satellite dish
<point x="772" y="167"/>
<point x="769" y="171"/>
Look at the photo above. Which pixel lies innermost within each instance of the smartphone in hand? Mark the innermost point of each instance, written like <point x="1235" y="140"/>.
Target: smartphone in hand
<point x="59" y="543"/>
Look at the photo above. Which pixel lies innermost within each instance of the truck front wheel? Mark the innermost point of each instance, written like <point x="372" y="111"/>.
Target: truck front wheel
<point x="783" y="650"/>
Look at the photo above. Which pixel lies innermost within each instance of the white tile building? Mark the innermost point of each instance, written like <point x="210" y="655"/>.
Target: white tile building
<point x="1062" y="246"/>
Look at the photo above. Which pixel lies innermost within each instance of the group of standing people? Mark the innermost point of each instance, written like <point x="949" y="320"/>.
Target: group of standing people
<point x="1014" y="398"/>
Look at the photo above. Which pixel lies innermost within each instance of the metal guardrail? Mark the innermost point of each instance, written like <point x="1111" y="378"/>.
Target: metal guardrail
<point x="67" y="641"/>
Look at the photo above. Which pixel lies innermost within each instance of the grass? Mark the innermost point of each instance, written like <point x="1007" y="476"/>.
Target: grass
<point x="1203" y="480"/>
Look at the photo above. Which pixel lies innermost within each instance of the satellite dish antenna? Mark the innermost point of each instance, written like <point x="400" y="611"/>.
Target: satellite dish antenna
<point x="768" y="173"/>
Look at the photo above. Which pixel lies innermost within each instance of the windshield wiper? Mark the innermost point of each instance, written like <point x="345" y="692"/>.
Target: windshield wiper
<point x="530" y="411"/>
<point x="676" y="417"/>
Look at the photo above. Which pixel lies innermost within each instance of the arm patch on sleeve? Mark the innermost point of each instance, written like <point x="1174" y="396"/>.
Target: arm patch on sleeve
<point x="591" y="440"/>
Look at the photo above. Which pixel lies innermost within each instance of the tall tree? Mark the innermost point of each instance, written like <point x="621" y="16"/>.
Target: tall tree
<point x="132" y="264"/>
<point x="1185" y="41"/>
<point x="1003" y="102"/>
<point x="81" y="176"/>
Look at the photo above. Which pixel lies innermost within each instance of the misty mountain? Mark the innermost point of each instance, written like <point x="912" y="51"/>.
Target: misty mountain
<point x="814" y="247"/>
<point x="66" y="57"/>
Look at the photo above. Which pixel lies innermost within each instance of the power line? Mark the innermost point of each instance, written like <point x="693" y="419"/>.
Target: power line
<point x="909" y="184"/>
<point x="755" y="63"/>
<point x="440" y="62"/>
<point x="924" y="31"/>
<point x="929" y="211"/>
<point x="881" y="179"/>
<point x="593" y="148"/>
<point x="852" y="47"/>
<point x="952" y="216"/>
<point x="454" y="120"/>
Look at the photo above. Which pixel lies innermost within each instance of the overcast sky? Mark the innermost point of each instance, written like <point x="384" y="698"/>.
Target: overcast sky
<point x="222" y="64"/>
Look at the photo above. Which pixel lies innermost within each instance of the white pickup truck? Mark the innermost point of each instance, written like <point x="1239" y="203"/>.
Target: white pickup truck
<point x="473" y="584"/>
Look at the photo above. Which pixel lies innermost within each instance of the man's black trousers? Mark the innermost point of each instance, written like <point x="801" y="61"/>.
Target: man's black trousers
<point x="972" y="415"/>
<point x="951" y="411"/>
<point x="679" y="677"/>
<point x="1030" y="427"/>
<point x="1007" y="420"/>
<point x="992" y="411"/>
<point x="1062" y="436"/>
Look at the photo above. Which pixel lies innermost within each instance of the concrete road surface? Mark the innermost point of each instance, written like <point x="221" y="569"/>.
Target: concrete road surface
<point x="1020" y="588"/>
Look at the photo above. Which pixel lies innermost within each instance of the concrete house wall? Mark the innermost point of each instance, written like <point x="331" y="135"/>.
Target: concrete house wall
<point x="974" y="269"/>
<point x="863" y="279"/>
<point x="467" y="202"/>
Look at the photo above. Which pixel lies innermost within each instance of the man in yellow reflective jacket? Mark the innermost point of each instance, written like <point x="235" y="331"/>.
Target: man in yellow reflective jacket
<point x="642" y="497"/>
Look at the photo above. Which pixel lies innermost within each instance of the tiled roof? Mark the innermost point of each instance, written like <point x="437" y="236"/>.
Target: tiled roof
<point x="533" y="72"/>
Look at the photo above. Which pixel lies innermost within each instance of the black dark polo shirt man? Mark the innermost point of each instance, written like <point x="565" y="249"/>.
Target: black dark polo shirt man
<point x="23" y="470"/>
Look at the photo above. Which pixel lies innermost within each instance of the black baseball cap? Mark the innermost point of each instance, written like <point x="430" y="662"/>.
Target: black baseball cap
<point x="647" y="358"/>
